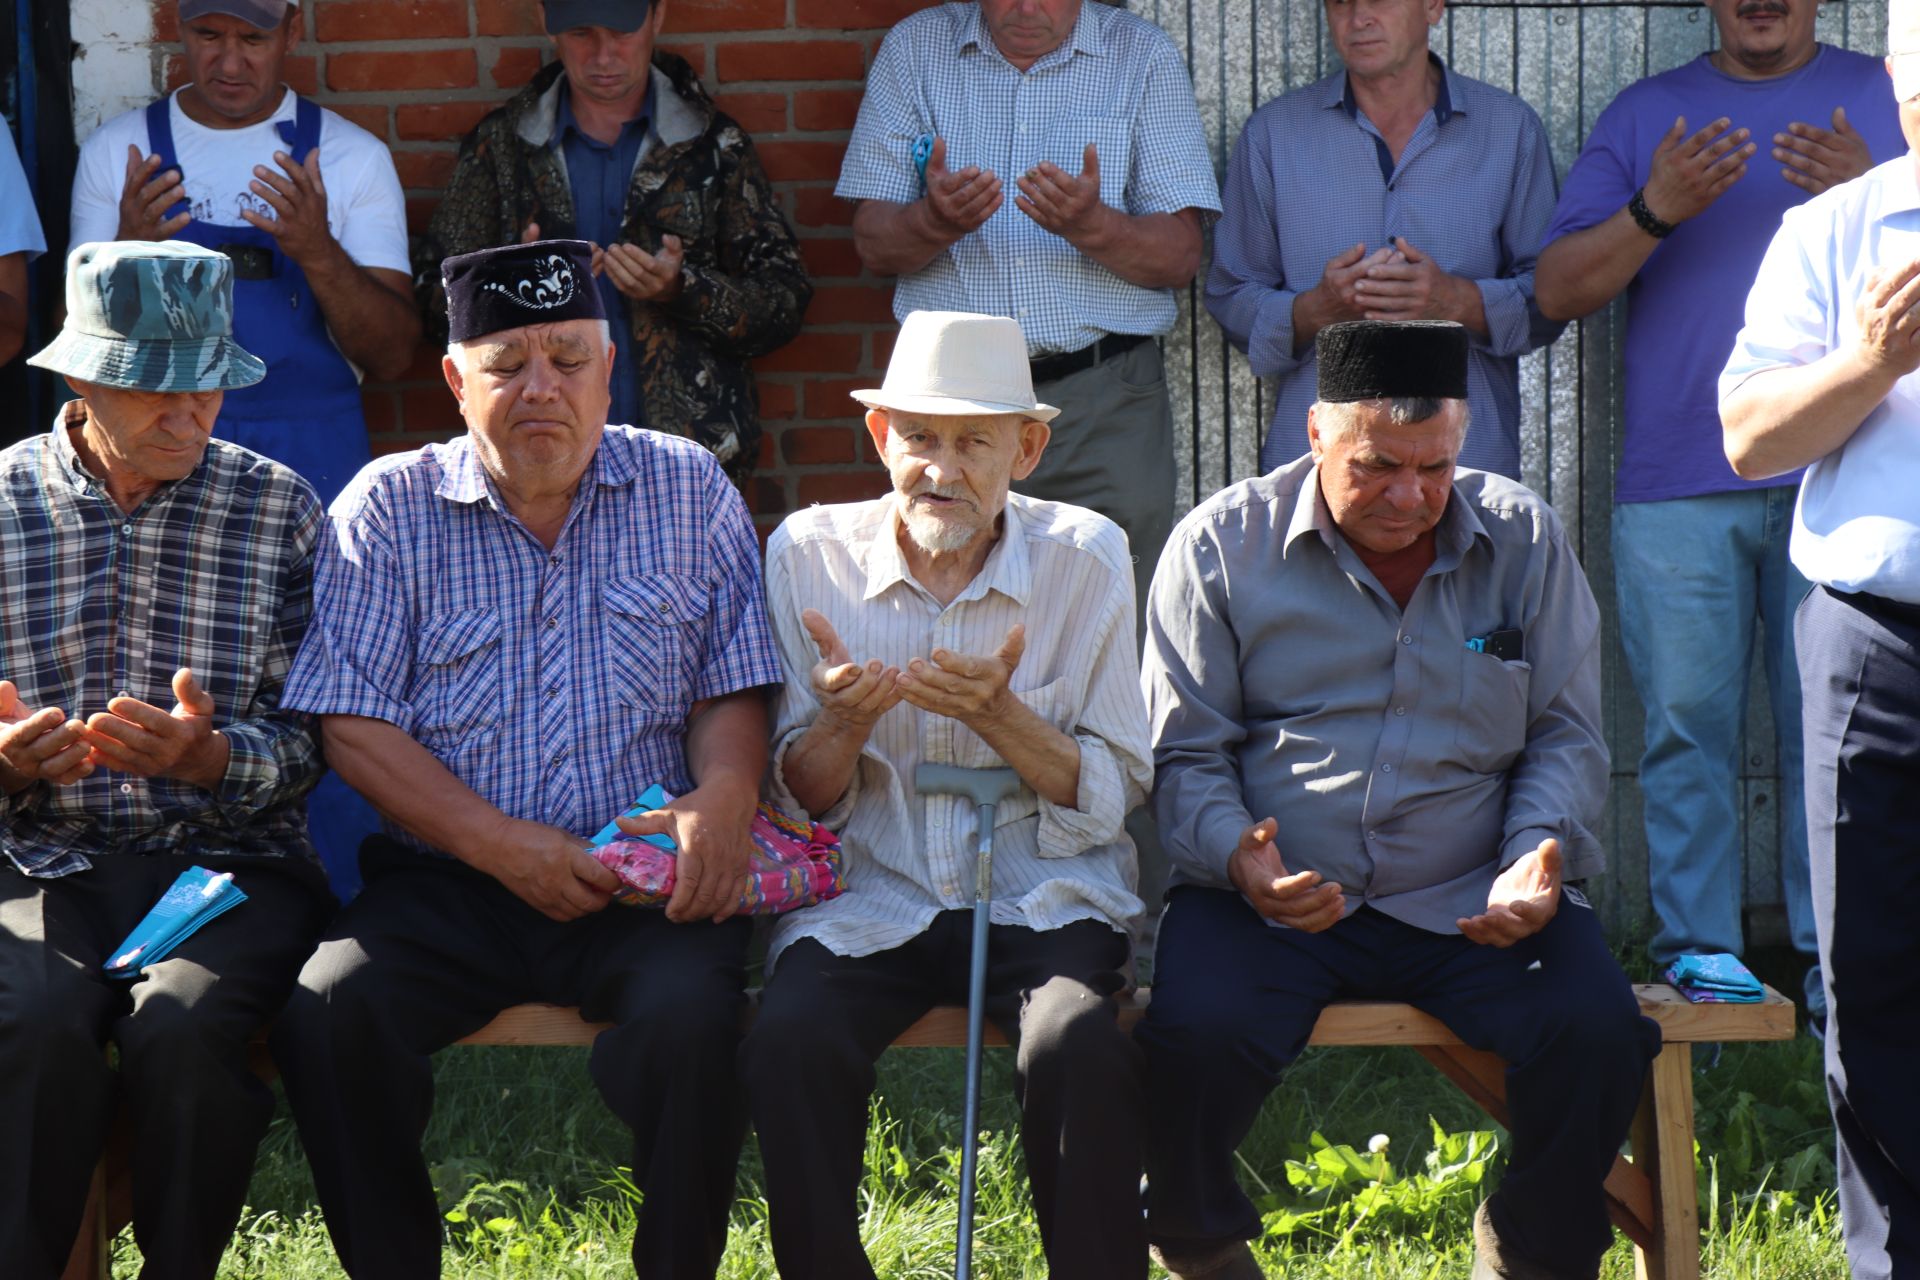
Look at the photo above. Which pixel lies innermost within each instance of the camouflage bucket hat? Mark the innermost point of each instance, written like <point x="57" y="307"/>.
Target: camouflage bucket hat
<point x="151" y="317"/>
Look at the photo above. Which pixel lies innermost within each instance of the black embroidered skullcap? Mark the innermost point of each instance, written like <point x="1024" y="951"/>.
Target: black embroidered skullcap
<point x="518" y="284"/>
<point x="1381" y="359"/>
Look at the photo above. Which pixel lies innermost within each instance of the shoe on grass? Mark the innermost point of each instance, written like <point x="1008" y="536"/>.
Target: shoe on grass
<point x="1227" y="1260"/>
<point x="1493" y="1260"/>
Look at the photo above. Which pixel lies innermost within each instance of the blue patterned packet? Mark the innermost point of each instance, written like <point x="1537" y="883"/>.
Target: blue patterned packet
<point x="197" y="896"/>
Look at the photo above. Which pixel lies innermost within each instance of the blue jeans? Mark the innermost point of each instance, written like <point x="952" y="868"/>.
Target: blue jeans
<point x="1696" y="579"/>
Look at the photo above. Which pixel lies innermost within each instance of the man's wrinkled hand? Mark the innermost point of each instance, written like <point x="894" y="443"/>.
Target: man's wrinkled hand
<point x="298" y="198"/>
<point x="850" y="695"/>
<point x="1523" y="898"/>
<point x="1066" y="204"/>
<point x="548" y="869"/>
<point x="1299" y="901"/>
<point x="973" y="690"/>
<point x="643" y="276"/>
<point x="1339" y="297"/>
<point x="1409" y="286"/>
<point x="712" y="829"/>
<point x="39" y="745"/>
<point x="136" y="737"/>
<point x="1888" y="329"/>
<point x="145" y="196"/>
<point x="1690" y="173"/>
<point x="1817" y="158"/>
<point x="958" y="203"/>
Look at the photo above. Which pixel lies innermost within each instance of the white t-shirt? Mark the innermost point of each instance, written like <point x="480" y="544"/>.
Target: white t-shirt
<point x="19" y="222"/>
<point x="365" y="210"/>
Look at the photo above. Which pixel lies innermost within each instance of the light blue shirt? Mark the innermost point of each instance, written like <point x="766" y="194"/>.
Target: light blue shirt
<point x="1311" y="177"/>
<point x="1117" y="82"/>
<point x="1857" y="524"/>
<point x="19" y="220"/>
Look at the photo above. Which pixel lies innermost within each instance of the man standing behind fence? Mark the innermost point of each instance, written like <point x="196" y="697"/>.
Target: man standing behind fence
<point x="1661" y="204"/>
<point x="515" y="635"/>
<point x="1043" y="160"/>
<point x="618" y="144"/>
<point x="1396" y="189"/>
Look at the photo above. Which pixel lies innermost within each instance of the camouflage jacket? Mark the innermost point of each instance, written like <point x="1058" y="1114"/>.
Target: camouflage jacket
<point x="744" y="288"/>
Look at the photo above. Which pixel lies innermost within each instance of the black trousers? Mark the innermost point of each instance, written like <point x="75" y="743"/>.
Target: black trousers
<point x="428" y="953"/>
<point x="824" y="1019"/>
<point x="182" y="1029"/>
<point x="1234" y="1001"/>
<point x="1860" y="706"/>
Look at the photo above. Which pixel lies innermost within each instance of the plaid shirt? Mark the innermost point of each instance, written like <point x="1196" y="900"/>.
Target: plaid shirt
<point x="212" y="572"/>
<point x="556" y="684"/>
<point x="1118" y="83"/>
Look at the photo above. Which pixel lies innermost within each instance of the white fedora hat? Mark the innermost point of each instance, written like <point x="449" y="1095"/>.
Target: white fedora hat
<point x="958" y="362"/>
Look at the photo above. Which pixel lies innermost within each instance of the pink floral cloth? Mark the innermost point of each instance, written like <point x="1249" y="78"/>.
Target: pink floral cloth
<point x="793" y="864"/>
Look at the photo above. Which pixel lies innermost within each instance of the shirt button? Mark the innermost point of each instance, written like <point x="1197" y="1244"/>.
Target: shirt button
<point x="1022" y="311"/>
<point x="663" y="610"/>
<point x="1406" y="639"/>
<point x="553" y="559"/>
<point x="553" y="621"/>
<point x="1399" y="711"/>
<point x="1386" y="768"/>
<point x="126" y="528"/>
<point x="126" y="788"/>
<point x="1373" y="835"/>
<point x="949" y="891"/>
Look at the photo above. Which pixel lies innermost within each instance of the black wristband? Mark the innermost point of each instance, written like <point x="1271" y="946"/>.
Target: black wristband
<point x="1644" y="217"/>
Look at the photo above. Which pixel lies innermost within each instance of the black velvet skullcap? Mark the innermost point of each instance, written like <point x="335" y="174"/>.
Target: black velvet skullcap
<point x="519" y="284"/>
<point x="1382" y="359"/>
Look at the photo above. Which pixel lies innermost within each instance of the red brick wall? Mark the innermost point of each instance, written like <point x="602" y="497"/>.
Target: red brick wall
<point x="420" y="73"/>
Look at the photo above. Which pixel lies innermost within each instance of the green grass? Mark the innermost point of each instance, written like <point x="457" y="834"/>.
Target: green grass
<point x="532" y="1166"/>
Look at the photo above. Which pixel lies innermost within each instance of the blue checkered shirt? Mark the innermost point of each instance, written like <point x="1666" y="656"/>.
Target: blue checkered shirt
<point x="556" y="684"/>
<point x="1311" y="177"/>
<point x="1118" y="83"/>
<point x="212" y="572"/>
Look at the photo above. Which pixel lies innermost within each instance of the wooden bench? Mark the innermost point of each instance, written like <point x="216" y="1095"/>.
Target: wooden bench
<point x="1651" y="1197"/>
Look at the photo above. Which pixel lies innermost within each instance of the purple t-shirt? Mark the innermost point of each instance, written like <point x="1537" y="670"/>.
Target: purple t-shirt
<point x="1687" y="304"/>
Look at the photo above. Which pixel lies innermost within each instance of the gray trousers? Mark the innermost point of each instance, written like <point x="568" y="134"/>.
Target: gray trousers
<point x="1112" y="451"/>
<point x="196" y="1109"/>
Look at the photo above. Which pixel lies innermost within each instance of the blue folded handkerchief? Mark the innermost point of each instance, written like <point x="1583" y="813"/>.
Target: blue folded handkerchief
<point x="1719" y="978"/>
<point x="654" y="797"/>
<point x="197" y="896"/>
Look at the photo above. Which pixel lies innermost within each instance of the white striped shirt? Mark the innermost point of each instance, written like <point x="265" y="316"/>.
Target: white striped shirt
<point x="1064" y="572"/>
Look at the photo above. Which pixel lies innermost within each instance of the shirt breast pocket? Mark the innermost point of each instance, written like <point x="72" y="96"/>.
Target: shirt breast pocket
<point x="656" y="632"/>
<point x="1112" y="138"/>
<point x="458" y="692"/>
<point x="1492" y="724"/>
<point x="1049" y="702"/>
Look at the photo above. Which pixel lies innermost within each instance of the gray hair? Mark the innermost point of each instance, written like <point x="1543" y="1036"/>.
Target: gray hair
<point x="1336" y="417"/>
<point x="455" y="349"/>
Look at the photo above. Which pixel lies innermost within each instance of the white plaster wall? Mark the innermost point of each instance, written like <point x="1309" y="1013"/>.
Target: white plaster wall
<point x="114" y="67"/>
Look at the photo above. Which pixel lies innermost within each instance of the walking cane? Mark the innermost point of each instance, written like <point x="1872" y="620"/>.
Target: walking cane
<point x="985" y="788"/>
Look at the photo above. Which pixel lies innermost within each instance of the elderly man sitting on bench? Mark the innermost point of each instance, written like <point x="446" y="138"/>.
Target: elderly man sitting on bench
<point x="1374" y="681"/>
<point x="952" y="622"/>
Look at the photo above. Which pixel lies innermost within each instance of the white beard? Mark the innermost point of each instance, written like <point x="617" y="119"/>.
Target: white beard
<point x="931" y="533"/>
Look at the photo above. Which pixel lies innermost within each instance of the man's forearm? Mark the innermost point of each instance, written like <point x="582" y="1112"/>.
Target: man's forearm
<point x="1783" y="419"/>
<point x="727" y="743"/>
<point x="374" y="321"/>
<point x="408" y="784"/>
<point x="818" y="767"/>
<point x="1583" y="271"/>
<point x="897" y="239"/>
<point x="13" y="305"/>
<point x="1152" y="250"/>
<point x="1046" y="759"/>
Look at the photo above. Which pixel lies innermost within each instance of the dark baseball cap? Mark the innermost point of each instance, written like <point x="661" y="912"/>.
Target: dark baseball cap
<point x="264" y="14"/>
<point x="615" y="15"/>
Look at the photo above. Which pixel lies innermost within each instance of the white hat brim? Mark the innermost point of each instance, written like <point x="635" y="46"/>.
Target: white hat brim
<point x="876" y="398"/>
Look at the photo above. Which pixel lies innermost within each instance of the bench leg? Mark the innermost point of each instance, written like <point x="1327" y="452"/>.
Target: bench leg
<point x="1663" y="1147"/>
<point x="91" y="1258"/>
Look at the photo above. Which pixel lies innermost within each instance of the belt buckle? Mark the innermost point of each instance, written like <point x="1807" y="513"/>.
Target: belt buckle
<point x="250" y="261"/>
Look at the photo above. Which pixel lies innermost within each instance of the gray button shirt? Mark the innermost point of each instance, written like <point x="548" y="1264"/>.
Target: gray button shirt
<point x="1283" y="681"/>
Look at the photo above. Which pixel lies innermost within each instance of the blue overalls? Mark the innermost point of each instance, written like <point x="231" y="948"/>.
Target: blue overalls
<point x="305" y="413"/>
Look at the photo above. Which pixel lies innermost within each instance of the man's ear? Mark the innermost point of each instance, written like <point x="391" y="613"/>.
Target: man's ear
<point x="1034" y="435"/>
<point x="1313" y="433"/>
<point x="877" y="430"/>
<point x="456" y="379"/>
<point x="296" y="25"/>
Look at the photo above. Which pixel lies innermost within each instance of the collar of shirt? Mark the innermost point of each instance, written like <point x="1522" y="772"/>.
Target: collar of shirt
<point x="1007" y="569"/>
<point x="1454" y="536"/>
<point x="464" y="480"/>
<point x="1443" y="111"/>
<point x="972" y="36"/>
<point x="564" y="121"/>
<point x="1899" y="190"/>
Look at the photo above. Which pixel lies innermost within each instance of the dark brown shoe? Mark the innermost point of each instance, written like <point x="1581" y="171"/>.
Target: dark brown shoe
<point x="1494" y="1261"/>
<point x="1229" y="1260"/>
